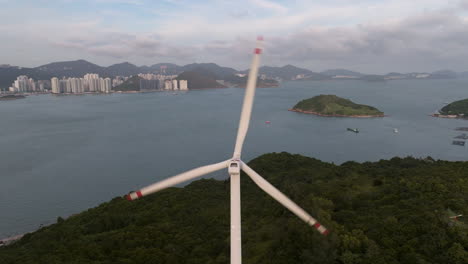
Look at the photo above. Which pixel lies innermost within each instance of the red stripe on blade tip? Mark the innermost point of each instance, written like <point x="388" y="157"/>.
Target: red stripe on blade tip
<point x="258" y="51"/>
<point x="317" y="225"/>
<point x="139" y="194"/>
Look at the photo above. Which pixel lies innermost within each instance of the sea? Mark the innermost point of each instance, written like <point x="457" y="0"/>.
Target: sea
<point x="60" y="155"/>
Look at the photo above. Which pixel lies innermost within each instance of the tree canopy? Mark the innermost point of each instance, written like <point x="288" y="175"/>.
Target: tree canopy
<point x="391" y="211"/>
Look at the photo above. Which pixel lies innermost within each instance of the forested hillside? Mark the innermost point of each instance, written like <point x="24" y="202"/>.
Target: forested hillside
<point x="391" y="211"/>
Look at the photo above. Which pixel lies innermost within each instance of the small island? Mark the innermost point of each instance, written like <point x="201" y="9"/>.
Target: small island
<point x="11" y="97"/>
<point x="457" y="109"/>
<point x="334" y="106"/>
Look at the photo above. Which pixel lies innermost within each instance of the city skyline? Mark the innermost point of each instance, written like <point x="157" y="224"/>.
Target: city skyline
<point x="368" y="36"/>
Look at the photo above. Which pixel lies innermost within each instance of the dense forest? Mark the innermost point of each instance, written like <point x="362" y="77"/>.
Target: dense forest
<point x="456" y="108"/>
<point x="391" y="211"/>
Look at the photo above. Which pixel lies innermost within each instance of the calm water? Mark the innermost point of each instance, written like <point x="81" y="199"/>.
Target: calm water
<point x="61" y="155"/>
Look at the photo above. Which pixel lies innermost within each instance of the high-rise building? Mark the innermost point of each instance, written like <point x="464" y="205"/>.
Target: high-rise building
<point x="107" y="85"/>
<point x="63" y="86"/>
<point x="23" y="84"/>
<point x="183" y="85"/>
<point x="168" y="85"/>
<point x="174" y="85"/>
<point x="148" y="85"/>
<point x="92" y="80"/>
<point x="55" y="85"/>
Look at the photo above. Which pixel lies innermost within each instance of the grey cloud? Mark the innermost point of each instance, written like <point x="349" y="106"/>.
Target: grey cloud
<point x="429" y="41"/>
<point x="433" y="39"/>
<point x="123" y="45"/>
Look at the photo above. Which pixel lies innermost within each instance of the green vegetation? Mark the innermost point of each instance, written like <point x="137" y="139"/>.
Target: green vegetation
<point x="132" y="84"/>
<point x="456" y="108"/>
<point x="333" y="105"/>
<point x="391" y="211"/>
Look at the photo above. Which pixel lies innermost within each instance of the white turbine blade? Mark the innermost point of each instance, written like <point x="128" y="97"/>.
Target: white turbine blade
<point x="248" y="100"/>
<point x="186" y="176"/>
<point x="283" y="199"/>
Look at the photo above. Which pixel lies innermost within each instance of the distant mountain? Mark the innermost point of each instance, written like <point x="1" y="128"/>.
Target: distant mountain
<point x="210" y="69"/>
<point x="287" y="72"/>
<point x="238" y="81"/>
<point x="372" y="78"/>
<point x="168" y="68"/>
<point x="72" y="69"/>
<point x="9" y="74"/>
<point x="124" y="69"/>
<point x="444" y="74"/>
<point x="79" y="68"/>
<point x="341" y="72"/>
<point x="198" y="81"/>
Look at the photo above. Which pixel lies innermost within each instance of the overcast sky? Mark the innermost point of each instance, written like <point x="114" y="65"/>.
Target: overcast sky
<point x="373" y="36"/>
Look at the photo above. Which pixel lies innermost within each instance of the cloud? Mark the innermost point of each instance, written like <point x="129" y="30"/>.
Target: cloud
<point x="265" y="4"/>
<point x="363" y="35"/>
<point x="123" y="45"/>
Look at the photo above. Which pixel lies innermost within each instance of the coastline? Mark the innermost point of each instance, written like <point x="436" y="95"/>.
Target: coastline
<point x="449" y="116"/>
<point x="9" y="240"/>
<point x="335" y="115"/>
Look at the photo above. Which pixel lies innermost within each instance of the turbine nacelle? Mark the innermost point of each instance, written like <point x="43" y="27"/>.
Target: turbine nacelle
<point x="234" y="167"/>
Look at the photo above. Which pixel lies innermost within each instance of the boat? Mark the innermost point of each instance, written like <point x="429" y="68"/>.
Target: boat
<point x="458" y="143"/>
<point x="395" y="130"/>
<point x="267" y="122"/>
<point x="462" y="136"/>
<point x="355" y="130"/>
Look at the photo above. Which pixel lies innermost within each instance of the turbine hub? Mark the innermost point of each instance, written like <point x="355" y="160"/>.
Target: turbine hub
<point x="234" y="167"/>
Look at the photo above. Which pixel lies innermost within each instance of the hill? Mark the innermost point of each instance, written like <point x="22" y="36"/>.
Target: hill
<point x="241" y="82"/>
<point x="211" y="70"/>
<point x="76" y="68"/>
<point x="287" y="72"/>
<point x="391" y="211"/>
<point x="132" y="84"/>
<point x="341" y="72"/>
<point x="124" y="69"/>
<point x="198" y="81"/>
<point x="459" y="108"/>
<point x="332" y="105"/>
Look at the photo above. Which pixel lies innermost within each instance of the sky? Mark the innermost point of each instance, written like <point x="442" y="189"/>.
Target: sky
<point x="377" y="36"/>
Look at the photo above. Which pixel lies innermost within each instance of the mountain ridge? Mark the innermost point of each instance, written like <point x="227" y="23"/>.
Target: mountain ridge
<point x="78" y="68"/>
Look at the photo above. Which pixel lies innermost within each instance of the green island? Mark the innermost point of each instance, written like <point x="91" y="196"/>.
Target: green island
<point x="11" y="97"/>
<point x="391" y="211"/>
<point x="334" y="106"/>
<point x="457" y="109"/>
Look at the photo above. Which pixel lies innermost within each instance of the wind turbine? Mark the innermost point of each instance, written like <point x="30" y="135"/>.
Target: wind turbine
<point x="235" y="165"/>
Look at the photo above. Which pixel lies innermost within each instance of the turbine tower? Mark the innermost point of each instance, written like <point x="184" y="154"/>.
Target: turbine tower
<point x="235" y="165"/>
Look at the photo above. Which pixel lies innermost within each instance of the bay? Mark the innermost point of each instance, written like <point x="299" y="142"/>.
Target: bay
<point x="63" y="154"/>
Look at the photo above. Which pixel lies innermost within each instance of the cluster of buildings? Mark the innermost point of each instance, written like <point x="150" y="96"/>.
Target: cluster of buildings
<point x="150" y="81"/>
<point x="91" y="82"/>
<point x="23" y="84"/>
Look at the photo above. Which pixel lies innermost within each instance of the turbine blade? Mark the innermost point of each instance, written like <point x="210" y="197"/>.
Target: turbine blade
<point x="248" y="100"/>
<point x="283" y="199"/>
<point x="183" y="177"/>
